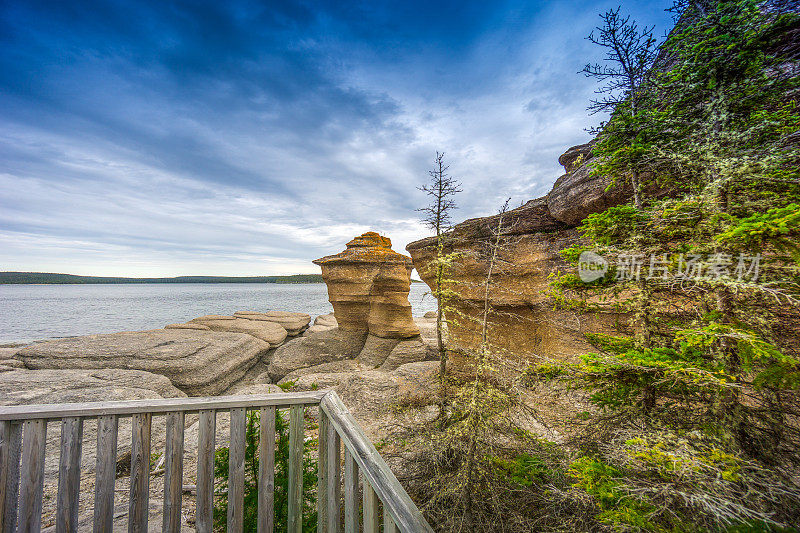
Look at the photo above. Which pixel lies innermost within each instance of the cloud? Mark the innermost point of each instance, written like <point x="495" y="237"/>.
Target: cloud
<point x="156" y="138"/>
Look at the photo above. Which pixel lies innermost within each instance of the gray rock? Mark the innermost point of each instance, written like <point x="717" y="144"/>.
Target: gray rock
<point x="199" y="327"/>
<point x="270" y="332"/>
<point x="376" y="350"/>
<point x="313" y="350"/>
<point x="197" y="362"/>
<point x="576" y="156"/>
<point x="12" y="363"/>
<point x="293" y="323"/>
<point x="9" y="353"/>
<point x="328" y="320"/>
<point x="579" y="194"/>
<point x="410" y="351"/>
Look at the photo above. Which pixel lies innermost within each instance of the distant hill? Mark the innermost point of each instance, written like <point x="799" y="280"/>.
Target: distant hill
<point x="7" y="278"/>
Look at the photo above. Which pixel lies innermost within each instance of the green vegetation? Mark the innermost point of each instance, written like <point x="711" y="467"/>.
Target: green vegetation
<point x="251" y="462"/>
<point x="697" y="396"/>
<point x="44" y="278"/>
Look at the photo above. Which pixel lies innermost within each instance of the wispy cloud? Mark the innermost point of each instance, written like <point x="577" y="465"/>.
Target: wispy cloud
<point x="160" y="138"/>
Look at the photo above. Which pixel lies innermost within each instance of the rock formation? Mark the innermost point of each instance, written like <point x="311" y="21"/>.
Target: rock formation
<point x="197" y="362"/>
<point x="525" y="321"/>
<point x="368" y="286"/>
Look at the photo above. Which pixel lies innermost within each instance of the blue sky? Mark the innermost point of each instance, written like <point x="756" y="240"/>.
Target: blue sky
<point x="247" y="138"/>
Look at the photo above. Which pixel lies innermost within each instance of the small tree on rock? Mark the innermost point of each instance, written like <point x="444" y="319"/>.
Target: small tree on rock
<point x="441" y="189"/>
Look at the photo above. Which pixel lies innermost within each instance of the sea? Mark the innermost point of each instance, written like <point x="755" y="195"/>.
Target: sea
<point x="37" y="312"/>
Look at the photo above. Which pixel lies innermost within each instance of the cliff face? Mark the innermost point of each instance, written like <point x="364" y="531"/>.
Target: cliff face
<point x="524" y="320"/>
<point x="368" y="286"/>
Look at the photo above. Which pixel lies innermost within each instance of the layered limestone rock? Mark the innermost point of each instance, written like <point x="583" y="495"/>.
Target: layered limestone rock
<point x="354" y="349"/>
<point x="368" y="286"/>
<point x="270" y="332"/>
<point x="197" y="362"/>
<point x="524" y="321"/>
<point x="293" y="323"/>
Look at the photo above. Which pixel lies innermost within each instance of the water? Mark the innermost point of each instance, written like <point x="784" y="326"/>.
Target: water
<point x="33" y="312"/>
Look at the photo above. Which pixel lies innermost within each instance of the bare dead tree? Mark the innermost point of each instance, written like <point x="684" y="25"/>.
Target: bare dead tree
<point x="441" y="188"/>
<point x="630" y="53"/>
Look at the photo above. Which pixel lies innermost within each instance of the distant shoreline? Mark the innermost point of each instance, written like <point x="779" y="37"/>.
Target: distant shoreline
<point x="47" y="278"/>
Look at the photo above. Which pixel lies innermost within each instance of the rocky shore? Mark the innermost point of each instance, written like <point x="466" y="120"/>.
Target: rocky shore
<point x="369" y="350"/>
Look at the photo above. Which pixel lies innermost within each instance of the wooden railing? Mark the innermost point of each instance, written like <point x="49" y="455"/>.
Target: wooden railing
<point x="22" y="459"/>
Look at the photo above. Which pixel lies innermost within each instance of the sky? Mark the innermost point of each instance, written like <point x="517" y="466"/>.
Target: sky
<point x="157" y="138"/>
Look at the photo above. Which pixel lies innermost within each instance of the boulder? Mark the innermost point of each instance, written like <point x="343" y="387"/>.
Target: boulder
<point x="199" y="327"/>
<point x="576" y="156"/>
<point x="375" y="351"/>
<point x="322" y="323"/>
<point x="579" y="194"/>
<point x="408" y="351"/>
<point x="9" y="353"/>
<point x="197" y="362"/>
<point x="270" y="332"/>
<point x="328" y="320"/>
<point x="371" y="395"/>
<point x="430" y="314"/>
<point x="368" y="286"/>
<point x="316" y="349"/>
<point x="293" y="323"/>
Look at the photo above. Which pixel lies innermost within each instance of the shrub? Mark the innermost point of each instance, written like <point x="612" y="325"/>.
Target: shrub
<point x="251" y="461"/>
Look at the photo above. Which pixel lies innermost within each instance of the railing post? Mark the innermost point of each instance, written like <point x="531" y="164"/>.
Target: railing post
<point x="371" y="517"/>
<point x="69" y="475"/>
<point x="138" y="505"/>
<point x="350" y="493"/>
<point x="10" y="452"/>
<point x="105" y="473"/>
<point x="173" y="473"/>
<point x="204" y="516"/>
<point x="295" y="516"/>
<point x="322" y="473"/>
<point x="236" y="471"/>
<point x="334" y="481"/>
<point x="32" y="475"/>
<point x="266" y="471"/>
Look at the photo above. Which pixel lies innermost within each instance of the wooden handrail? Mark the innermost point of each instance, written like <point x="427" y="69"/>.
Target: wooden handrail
<point x="395" y="499"/>
<point x="168" y="405"/>
<point x="23" y="432"/>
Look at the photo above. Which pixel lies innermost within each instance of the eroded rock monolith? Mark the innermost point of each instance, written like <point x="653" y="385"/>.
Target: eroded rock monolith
<point x="368" y="286"/>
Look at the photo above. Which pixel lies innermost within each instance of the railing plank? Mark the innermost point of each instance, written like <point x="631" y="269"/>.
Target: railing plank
<point x="161" y="406"/>
<point x="322" y="473"/>
<point x="138" y="504"/>
<point x="295" y="515"/>
<point x="334" y="481"/>
<point x="388" y="524"/>
<point x="69" y="475"/>
<point x="173" y="473"/>
<point x="266" y="471"/>
<point x="375" y="470"/>
<point x="32" y="475"/>
<point x="236" y="471"/>
<point x="105" y="473"/>
<point x="10" y="452"/>
<point x="371" y="517"/>
<point x="350" y="493"/>
<point x="204" y="516"/>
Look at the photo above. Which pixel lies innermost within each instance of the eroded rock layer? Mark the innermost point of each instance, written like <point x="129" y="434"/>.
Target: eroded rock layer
<point x="368" y="286"/>
<point x="524" y="320"/>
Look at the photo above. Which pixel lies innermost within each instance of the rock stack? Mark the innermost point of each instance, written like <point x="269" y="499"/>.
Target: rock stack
<point x="368" y="286"/>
